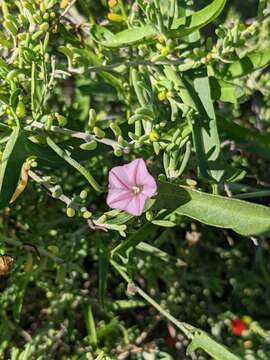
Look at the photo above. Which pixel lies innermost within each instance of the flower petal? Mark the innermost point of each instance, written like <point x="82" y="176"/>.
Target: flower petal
<point x="117" y="195"/>
<point x="136" y="205"/>
<point x="118" y="178"/>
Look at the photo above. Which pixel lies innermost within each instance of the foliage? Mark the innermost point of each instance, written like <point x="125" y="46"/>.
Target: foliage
<point x="89" y="85"/>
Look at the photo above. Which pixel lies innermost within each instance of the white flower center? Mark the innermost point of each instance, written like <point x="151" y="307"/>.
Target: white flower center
<point x="137" y="189"/>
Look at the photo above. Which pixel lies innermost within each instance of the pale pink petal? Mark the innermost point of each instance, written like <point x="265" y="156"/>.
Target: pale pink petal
<point x="150" y="188"/>
<point x="115" y="195"/>
<point x="131" y="170"/>
<point x="118" y="178"/>
<point x="141" y="172"/>
<point x="144" y="178"/>
<point x="119" y="201"/>
<point x="136" y="205"/>
<point x="123" y="180"/>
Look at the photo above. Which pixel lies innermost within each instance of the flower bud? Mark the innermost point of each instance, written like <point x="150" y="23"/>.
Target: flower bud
<point x="83" y="194"/>
<point x="71" y="212"/>
<point x="20" y="109"/>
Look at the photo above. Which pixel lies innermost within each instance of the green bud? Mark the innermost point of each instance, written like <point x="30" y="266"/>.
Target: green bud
<point x="118" y="152"/>
<point x="20" y="109"/>
<point x="92" y="145"/>
<point x="46" y="16"/>
<point x="44" y="27"/>
<point x="87" y="214"/>
<point x="57" y="192"/>
<point x="99" y="132"/>
<point x="71" y="212"/>
<point x="83" y="194"/>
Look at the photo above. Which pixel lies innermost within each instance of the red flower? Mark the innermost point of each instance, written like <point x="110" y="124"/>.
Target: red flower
<point x="238" y="326"/>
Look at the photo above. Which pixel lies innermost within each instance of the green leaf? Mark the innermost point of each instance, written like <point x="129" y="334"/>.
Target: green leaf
<point x="249" y="63"/>
<point x="195" y="92"/>
<point x="188" y="24"/>
<point x="13" y="158"/>
<point x="225" y="91"/>
<point x="243" y="217"/>
<point x="90" y="325"/>
<point x="180" y="27"/>
<point x="249" y="139"/>
<point x="202" y="340"/>
<point x="81" y="169"/>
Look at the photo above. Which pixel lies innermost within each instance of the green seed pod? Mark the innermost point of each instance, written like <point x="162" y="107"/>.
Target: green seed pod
<point x="92" y="119"/>
<point x="20" y="109"/>
<point x="71" y="212"/>
<point x="92" y="145"/>
<point x="99" y="132"/>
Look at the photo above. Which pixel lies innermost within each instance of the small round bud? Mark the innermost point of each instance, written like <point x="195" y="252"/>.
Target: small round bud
<point x="44" y="27"/>
<point x="87" y="214"/>
<point x="71" y="212"/>
<point x="118" y="152"/>
<point x="83" y="194"/>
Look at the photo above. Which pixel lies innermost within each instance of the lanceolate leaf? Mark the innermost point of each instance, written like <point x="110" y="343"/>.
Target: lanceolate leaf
<point x="225" y="91"/>
<point x="241" y="216"/>
<point x="249" y="63"/>
<point x="202" y="340"/>
<point x="180" y="27"/>
<point x="199" y="19"/>
<point x="13" y="158"/>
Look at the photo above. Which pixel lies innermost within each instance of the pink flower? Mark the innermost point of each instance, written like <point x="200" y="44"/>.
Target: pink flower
<point x="130" y="186"/>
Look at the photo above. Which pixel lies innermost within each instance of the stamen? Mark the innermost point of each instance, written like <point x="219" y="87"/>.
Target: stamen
<point x="137" y="189"/>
